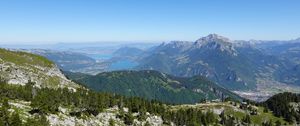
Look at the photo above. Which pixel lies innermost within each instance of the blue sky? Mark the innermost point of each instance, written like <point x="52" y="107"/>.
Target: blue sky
<point x="52" y="21"/>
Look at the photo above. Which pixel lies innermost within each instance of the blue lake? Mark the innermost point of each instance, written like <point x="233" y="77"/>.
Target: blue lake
<point x="122" y="65"/>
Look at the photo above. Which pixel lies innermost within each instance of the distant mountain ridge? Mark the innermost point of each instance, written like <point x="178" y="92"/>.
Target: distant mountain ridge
<point x="128" y="51"/>
<point x="65" y="59"/>
<point x="250" y="67"/>
<point x="236" y="65"/>
<point x="81" y="62"/>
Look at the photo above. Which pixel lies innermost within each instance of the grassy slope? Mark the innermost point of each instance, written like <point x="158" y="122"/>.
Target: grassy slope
<point x="23" y="58"/>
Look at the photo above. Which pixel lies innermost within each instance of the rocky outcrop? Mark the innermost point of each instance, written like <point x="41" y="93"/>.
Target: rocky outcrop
<point x="22" y="72"/>
<point x="62" y="118"/>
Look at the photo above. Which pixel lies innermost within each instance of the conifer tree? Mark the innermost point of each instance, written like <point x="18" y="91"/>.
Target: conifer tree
<point x="4" y="114"/>
<point x="247" y="119"/>
<point x="15" y="120"/>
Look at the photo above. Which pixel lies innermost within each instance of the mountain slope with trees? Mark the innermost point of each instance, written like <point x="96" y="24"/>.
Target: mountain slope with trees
<point x="286" y="105"/>
<point x="154" y="85"/>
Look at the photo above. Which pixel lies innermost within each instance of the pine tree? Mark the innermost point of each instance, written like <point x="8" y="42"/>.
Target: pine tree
<point x="15" y="120"/>
<point x="44" y="121"/>
<point x="277" y="123"/>
<point x="111" y="122"/>
<point x="147" y="124"/>
<point x="267" y="123"/>
<point x="230" y="121"/>
<point x="247" y="119"/>
<point x="4" y="114"/>
<point x="128" y="119"/>
<point x="223" y="118"/>
<point x="266" y="110"/>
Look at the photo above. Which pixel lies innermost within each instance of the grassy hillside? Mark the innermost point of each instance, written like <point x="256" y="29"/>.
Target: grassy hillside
<point x="24" y="59"/>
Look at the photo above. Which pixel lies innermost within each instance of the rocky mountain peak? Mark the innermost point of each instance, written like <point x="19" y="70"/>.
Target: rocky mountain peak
<point x="213" y="38"/>
<point x="177" y="44"/>
<point x="214" y="41"/>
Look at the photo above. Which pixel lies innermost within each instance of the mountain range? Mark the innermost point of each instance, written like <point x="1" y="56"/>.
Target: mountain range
<point x="235" y="65"/>
<point x="256" y="68"/>
<point x="35" y="92"/>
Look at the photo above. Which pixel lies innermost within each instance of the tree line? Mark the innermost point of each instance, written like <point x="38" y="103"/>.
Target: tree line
<point x="86" y="103"/>
<point x="282" y="106"/>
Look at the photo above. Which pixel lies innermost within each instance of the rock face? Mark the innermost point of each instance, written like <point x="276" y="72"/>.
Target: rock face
<point x="102" y="119"/>
<point x="62" y="118"/>
<point x="21" y="68"/>
<point x="214" y="41"/>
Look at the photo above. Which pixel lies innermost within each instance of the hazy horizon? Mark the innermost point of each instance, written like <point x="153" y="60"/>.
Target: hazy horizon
<point x="127" y="42"/>
<point x="50" y="22"/>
